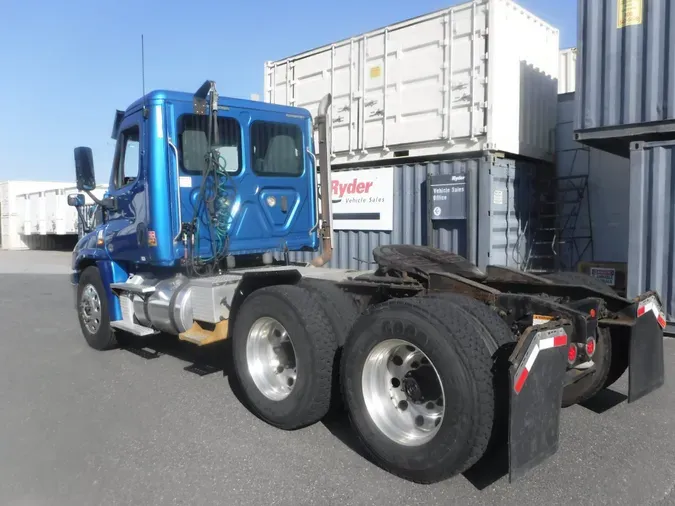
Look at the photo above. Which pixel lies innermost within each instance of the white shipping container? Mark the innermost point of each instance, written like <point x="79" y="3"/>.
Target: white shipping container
<point x="480" y="75"/>
<point x="567" y="70"/>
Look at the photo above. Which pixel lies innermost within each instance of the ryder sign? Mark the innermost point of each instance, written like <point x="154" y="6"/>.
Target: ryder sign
<point x="363" y="199"/>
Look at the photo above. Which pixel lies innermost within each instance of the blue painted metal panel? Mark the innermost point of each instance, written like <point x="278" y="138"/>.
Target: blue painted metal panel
<point x="112" y="272"/>
<point x="264" y="212"/>
<point x="651" y="241"/>
<point x="625" y="64"/>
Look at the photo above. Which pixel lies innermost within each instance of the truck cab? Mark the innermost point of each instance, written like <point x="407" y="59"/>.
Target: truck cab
<point x="256" y="195"/>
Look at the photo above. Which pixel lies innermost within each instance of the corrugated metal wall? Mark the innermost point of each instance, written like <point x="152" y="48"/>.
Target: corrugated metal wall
<point x="651" y="247"/>
<point x="505" y="209"/>
<point x="625" y="63"/>
<point x="353" y="249"/>
<point x="500" y="190"/>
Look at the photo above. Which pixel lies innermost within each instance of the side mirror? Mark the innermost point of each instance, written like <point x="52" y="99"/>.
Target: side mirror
<point x="84" y="169"/>
<point x="76" y="200"/>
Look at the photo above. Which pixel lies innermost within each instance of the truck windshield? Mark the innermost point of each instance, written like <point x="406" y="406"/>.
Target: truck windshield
<point x="276" y="149"/>
<point x="193" y="140"/>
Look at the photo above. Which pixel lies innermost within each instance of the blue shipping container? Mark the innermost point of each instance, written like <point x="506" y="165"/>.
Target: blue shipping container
<point x="625" y="79"/>
<point x="501" y="209"/>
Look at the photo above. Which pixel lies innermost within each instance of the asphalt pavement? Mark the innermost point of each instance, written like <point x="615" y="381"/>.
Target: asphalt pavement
<point x="162" y="425"/>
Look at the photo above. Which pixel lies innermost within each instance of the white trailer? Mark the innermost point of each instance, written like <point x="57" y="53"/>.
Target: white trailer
<point x="33" y="211"/>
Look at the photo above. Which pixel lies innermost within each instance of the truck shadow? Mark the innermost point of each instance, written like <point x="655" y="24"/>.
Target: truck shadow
<point x="214" y="358"/>
<point x="490" y="468"/>
<point x="217" y="358"/>
<point x="604" y="401"/>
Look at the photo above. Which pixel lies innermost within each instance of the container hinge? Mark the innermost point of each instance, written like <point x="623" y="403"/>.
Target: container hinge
<point x="357" y="95"/>
<point x="445" y="42"/>
<point x="484" y="105"/>
<point x="485" y="56"/>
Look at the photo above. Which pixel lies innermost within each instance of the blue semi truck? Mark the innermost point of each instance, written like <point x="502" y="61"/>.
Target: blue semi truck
<point x="436" y="361"/>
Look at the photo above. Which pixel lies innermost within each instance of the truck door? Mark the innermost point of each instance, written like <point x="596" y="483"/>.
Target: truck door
<point x="126" y="236"/>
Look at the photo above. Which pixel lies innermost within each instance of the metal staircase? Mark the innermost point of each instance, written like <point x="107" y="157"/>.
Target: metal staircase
<point x="561" y="232"/>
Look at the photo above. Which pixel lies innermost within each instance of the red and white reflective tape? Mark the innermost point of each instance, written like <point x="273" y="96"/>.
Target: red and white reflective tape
<point x="650" y="304"/>
<point x="542" y="341"/>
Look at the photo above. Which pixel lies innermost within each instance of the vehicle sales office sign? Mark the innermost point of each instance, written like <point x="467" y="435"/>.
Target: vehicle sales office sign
<point x="363" y="199"/>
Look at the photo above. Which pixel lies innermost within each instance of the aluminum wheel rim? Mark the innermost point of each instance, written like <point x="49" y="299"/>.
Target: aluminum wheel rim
<point x="403" y="392"/>
<point x="270" y="357"/>
<point x="90" y="309"/>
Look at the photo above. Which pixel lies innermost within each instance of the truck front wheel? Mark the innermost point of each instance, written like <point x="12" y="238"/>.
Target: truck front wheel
<point x="417" y="382"/>
<point x="92" y="311"/>
<point x="284" y="348"/>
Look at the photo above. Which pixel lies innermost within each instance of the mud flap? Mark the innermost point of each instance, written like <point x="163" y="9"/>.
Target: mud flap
<point x="537" y="376"/>
<point x="646" y="361"/>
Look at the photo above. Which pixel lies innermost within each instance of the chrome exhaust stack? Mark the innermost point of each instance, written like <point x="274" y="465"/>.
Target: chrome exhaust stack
<point x="325" y="181"/>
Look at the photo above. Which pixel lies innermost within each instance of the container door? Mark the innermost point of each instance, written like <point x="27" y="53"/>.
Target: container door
<point x="505" y="201"/>
<point x="304" y="82"/>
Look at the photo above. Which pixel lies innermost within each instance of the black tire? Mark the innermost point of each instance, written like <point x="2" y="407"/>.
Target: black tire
<point x="448" y="335"/>
<point x="314" y="344"/>
<point x="104" y="337"/>
<point x="341" y="308"/>
<point x="504" y="340"/>
<point x="589" y="386"/>
<point x="342" y="311"/>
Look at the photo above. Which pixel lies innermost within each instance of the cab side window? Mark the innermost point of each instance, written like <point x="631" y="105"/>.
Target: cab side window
<point x="128" y="157"/>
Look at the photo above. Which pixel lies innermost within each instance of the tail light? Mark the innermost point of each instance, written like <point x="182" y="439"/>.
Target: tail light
<point x="590" y="346"/>
<point x="572" y="353"/>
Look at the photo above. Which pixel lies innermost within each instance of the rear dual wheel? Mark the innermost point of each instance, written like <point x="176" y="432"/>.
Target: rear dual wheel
<point x="417" y="379"/>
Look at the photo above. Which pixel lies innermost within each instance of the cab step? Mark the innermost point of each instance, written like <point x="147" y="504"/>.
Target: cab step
<point x="202" y="334"/>
<point x="132" y="328"/>
<point x="133" y="288"/>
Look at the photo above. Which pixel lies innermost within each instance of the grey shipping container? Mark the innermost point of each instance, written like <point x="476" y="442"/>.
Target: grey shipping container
<point x="651" y="245"/>
<point x="501" y="207"/>
<point x="625" y="80"/>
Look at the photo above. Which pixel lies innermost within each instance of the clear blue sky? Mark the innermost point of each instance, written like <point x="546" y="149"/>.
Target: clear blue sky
<point x="66" y="66"/>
